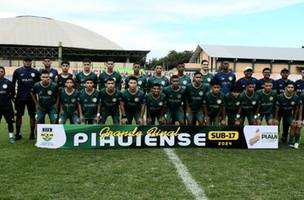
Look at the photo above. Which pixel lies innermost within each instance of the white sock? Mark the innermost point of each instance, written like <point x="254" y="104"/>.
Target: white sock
<point x="11" y="135"/>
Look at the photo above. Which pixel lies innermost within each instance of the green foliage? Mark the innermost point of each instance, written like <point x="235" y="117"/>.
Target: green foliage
<point x="171" y="60"/>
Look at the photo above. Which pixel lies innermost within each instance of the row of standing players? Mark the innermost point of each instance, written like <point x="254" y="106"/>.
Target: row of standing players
<point x="206" y="100"/>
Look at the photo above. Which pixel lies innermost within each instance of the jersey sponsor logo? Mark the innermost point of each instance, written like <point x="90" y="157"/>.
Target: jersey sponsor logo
<point x="237" y="103"/>
<point x="136" y="99"/>
<point x="4" y="86"/>
<point x="254" y="102"/>
<point x="114" y="100"/>
<point x="201" y="93"/>
<point x="94" y="100"/>
<point x="49" y="92"/>
<point x="219" y="101"/>
<point x="33" y="75"/>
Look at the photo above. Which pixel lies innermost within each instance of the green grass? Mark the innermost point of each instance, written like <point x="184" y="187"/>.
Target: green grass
<point x="27" y="172"/>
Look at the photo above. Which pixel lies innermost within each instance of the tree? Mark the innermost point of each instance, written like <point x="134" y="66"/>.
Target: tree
<point x="170" y="60"/>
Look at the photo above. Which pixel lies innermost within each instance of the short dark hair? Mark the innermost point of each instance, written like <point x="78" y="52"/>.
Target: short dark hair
<point x="156" y="85"/>
<point x="1" y="67"/>
<point x="214" y="82"/>
<point x="27" y="59"/>
<point x="65" y="62"/>
<point x="70" y="78"/>
<point x="89" y="79"/>
<point x="136" y="63"/>
<point x="197" y="72"/>
<point x="110" y="79"/>
<point x="236" y="88"/>
<point x="250" y="83"/>
<point x="44" y="71"/>
<point x="86" y="60"/>
<point x="289" y="83"/>
<point x="266" y="69"/>
<point x="204" y="61"/>
<point x="268" y="81"/>
<point x="132" y="78"/>
<point x="174" y="77"/>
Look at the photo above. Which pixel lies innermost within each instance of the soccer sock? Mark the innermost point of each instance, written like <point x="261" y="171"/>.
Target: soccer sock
<point x="18" y="129"/>
<point x="10" y="135"/>
<point x="297" y="137"/>
<point x="291" y="139"/>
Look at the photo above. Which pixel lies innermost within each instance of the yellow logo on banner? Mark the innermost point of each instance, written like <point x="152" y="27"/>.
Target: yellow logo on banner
<point x="223" y="135"/>
<point x="47" y="134"/>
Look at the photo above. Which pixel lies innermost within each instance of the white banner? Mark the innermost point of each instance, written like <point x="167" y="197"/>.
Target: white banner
<point x="262" y="137"/>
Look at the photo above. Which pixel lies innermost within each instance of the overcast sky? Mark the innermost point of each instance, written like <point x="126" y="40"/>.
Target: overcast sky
<point x="180" y="25"/>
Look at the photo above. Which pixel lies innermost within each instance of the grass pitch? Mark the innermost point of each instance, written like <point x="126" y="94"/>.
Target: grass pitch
<point x="27" y="172"/>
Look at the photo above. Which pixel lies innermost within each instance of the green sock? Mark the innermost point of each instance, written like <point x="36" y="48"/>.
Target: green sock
<point x="291" y="139"/>
<point x="297" y="138"/>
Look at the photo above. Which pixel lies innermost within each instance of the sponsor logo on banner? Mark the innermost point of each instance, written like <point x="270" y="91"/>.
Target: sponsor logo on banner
<point x="261" y="137"/>
<point x="50" y="136"/>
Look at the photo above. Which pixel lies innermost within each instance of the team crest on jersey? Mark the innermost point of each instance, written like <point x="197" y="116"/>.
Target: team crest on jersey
<point x="160" y="103"/>
<point x="201" y="93"/>
<point x="4" y="86"/>
<point x="136" y="99"/>
<point x="223" y="78"/>
<point x="230" y="78"/>
<point x="94" y="100"/>
<point x="219" y="101"/>
<point x="73" y="100"/>
<point x="51" y="74"/>
<point x="163" y="82"/>
<point x="271" y="98"/>
<point x="293" y="103"/>
<point x="179" y="96"/>
<point x="208" y="79"/>
<point x="33" y="75"/>
<point x="237" y="103"/>
<point x="114" y="79"/>
<point x="49" y="92"/>
<point x="139" y="82"/>
<point x="184" y="82"/>
<point x="253" y="102"/>
<point x="114" y="100"/>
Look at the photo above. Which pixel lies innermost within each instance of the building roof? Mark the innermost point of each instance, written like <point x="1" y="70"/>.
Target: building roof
<point x="41" y="31"/>
<point x="246" y="52"/>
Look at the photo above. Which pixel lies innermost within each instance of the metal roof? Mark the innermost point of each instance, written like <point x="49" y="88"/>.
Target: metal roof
<point x="41" y="31"/>
<point x="247" y="52"/>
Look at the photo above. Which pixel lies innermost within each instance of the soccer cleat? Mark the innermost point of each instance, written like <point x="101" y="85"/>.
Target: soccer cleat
<point x="18" y="137"/>
<point x="11" y="140"/>
<point x="296" y="145"/>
